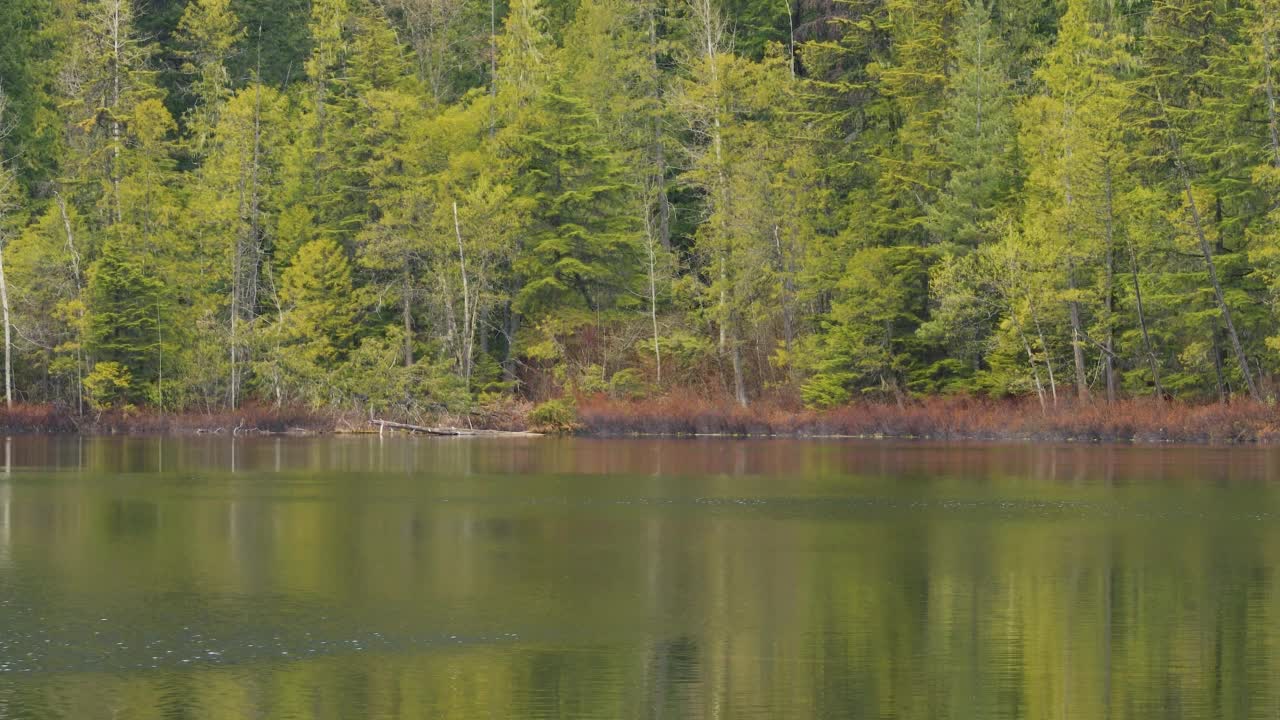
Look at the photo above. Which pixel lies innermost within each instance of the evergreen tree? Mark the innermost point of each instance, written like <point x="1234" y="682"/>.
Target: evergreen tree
<point x="34" y="41"/>
<point x="124" y="324"/>
<point x="909" y="167"/>
<point x="977" y="137"/>
<point x="208" y="34"/>
<point x="231" y="212"/>
<point x="872" y="341"/>
<point x="1193" y="116"/>
<point x="317" y="290"/>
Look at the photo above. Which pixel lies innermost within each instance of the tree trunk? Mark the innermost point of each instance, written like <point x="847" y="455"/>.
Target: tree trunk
<point x="1142" y="323"/>
<point x="1035" y="372"/>
<point x="1241" y="359"/>
<point x="652" y="251"/>
<point x="75" y="275"/>
<point x="1109" y="359"/>
<point x="406" y="314"/>
<point x="659" y="150"/>
<point x="8" y="340"/>
<point x="1217" y="369"/>
<point x="739" y="384"/>
<point x="1048" y="361"/>
<point x="468" y="322"/>
<point x="1077" y="340"/>
<point x="117" y="64"/>
<point x="1073" y="306"/>
<point x="1184" y="174"/>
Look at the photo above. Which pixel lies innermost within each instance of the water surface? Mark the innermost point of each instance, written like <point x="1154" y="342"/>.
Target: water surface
<point x="540" y="578"/>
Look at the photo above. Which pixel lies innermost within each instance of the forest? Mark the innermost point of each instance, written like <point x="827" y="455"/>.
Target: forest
<point x="419" y="206"/>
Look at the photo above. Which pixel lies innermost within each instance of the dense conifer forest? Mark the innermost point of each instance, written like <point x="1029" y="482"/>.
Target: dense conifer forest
<point x="413" y="206"/>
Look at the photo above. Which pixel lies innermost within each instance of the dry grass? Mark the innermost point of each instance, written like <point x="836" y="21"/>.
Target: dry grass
<point x="505" y="414"/>
<point x="22" y="419"/>
<point x="950" y="418"/>
<point x="686" y="413"/>
<point x="250" y="419"/>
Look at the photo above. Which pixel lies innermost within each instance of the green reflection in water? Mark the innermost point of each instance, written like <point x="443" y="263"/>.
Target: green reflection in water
<point x="428" y="578"/>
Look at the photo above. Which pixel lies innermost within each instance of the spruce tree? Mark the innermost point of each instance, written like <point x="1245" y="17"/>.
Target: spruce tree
<point x="321" y="310"/>
<point x="583" y="246"/>
<point x="977" y="137"/>
<point x="126" y="304"/>
<point x="208" y="34"/>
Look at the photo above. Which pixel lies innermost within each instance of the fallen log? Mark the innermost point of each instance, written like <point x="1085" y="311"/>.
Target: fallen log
<point x="384" y="425"/>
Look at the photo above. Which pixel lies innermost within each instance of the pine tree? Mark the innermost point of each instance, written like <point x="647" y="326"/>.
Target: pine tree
<point x="355" y="55"/>
<point x="977" y="137"/>
<point x="124" y="327"/>
<point x="317" y="289"/>
<point x="1192" y="118"/>
<point x="872" y="343"/>
<point x="582" y="252"/>
<point x="208" y="34"/>
<point x="34" y="40"/>
<point x="909" y="168"/>
<point x="1071" y="136"/>
<point x="231" y="215"/>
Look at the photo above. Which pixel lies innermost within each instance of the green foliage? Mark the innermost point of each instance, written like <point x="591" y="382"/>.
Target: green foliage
<point x="108" y="386"/>
<point x="977" y="137"/>
<point x="554" y="416"/>
<point x="582" y="250"/>
<point x="629" y="384"/>
<point x="317" y="290"/>
<point x="380" y="206"/>
<point x="871" y="343"/>
<point x="124" y="321"/>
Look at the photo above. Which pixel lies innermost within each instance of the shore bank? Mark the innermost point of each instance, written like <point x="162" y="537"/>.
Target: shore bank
<point x="955" y="418"/>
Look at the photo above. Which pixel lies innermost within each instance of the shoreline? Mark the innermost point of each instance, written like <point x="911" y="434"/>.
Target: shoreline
<point x="967" y="419"/>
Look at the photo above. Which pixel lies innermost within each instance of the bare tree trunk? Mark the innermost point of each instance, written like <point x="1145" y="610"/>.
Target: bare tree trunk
<point x="1109" y="359"/>
<point x="71" y="243"/>
<point x="1035" y="372"/>
<point x="468" y="320"/>
<point x="739" y="384"/>
<point x="75" y="274"/>
<point x="1077" y="346"/>
<point x="8" y="340"/>
<point x="652" y="251"/>
<point x="406" y="314"/>
<point x="711" y="29"/>
<point x="1142" y="323"/>
<point x="1048" y="361"/>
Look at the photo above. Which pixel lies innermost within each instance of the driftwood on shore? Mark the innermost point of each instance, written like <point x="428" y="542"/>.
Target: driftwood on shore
<point x="384" y="425"/>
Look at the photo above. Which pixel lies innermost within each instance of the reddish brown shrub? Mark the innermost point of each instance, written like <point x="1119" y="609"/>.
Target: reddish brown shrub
<point x="944" y="418"/>
<point x="36" y="419"/>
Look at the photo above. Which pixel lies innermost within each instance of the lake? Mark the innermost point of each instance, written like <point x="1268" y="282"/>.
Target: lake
<point x="359" y="577"/>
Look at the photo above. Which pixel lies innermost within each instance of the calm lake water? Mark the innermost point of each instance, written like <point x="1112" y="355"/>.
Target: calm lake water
<point x="541" y="578"/>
